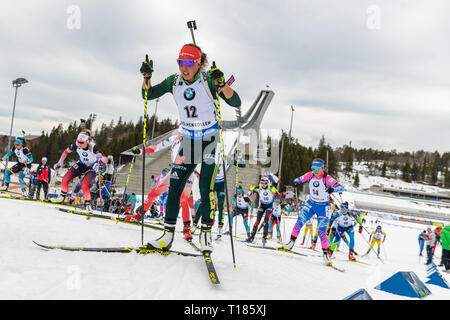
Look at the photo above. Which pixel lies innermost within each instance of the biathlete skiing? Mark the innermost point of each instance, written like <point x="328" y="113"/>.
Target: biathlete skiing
<point x="23" y="165"/>
<point x="90" y="158"/>
<point x="321" y="186"/>
<point x="195" y="92"/>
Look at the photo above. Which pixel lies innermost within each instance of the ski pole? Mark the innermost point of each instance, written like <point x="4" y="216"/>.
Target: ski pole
<point x="144" y="138"/>
<point x="99" y="183"/>
<point x="126" y="183"/>
<point x="222" y="151"/>
<point x="237" y="179"/>
<point x="13" y="173"/>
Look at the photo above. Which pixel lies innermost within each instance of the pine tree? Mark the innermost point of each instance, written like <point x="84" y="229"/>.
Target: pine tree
<point x="406" y="172"/>
<point x="348" y="159"/>
<point x="446" y="178"/>
<point x="383" y="170"/>
<point x="356" y="180"/>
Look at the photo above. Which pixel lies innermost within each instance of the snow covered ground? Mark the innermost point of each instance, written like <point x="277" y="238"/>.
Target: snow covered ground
<point x="29" y="272"/>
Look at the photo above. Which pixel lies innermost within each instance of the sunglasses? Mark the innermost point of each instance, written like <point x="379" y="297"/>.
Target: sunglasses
<point x="316" y="168"/>
<point x="187" y="63"/>
<point x="82" y="138"/>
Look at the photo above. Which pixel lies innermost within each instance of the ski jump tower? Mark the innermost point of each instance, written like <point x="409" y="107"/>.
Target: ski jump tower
<point x="234" y="132"/>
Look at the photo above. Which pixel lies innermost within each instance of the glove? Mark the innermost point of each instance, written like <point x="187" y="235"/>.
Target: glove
<point x="328" y="232"/>
<point x="330" y="190"/>
<point x="98" y="166"/>
<point x="57" y="165"/>
<point x="252" y="187"/>
<point x="26" y="171"/>
<point x="217" y="74"/>
<point x="296" y="183"/>
<point x="136" y="150"/>
<point x="147" y="69"/>
<point x="360" y="229"/>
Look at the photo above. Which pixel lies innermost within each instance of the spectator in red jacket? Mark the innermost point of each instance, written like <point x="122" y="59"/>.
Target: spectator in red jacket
<point x="44" y="172"/>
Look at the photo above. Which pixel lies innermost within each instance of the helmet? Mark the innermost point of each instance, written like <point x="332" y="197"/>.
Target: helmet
<point x="344" y="206"/>
<point x="378" y="228"/>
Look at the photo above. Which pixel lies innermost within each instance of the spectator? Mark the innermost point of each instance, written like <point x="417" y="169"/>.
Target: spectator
<point x="445" y="241"/>
<point x="109" y="170"/>
<point x="44" y="172"/>
<point x="430" y="242"/>
<point x="107" y="192"/>
<point x="131" y="203"/>
<point x="33" y="184"/>
<point x="421" y="239"/>
<point x="437" y="232"/>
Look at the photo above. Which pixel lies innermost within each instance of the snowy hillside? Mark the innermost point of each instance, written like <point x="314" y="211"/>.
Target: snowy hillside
<point x="29" y="272"/>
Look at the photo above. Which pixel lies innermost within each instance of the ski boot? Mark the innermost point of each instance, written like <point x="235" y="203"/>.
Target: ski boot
<point x="279" y="239"/>
<point x="60" y="198"/>
<point x="250" y="238"/>
<point x="326" y="257"/>
<point x="5" y="187"/>
<point x="264" y="240"/>
<point x="194" y="228"/>
<point x="313" y="245"/>
<point x="205" y="238"/>
<point x="290" y="244"/>
<point x="165" y="241"/>
<point x="351" y="256"/>
<point x="220" y="232"/>
<point x="330" y="253"/>
<point x="187" y="232"/>
<point x="88" y="207"/>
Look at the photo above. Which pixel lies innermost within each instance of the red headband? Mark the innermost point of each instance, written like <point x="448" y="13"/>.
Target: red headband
<point x="190" y="53"/>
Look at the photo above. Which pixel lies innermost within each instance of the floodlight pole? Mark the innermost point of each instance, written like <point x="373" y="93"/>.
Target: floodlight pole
<point x="16" y="83"/>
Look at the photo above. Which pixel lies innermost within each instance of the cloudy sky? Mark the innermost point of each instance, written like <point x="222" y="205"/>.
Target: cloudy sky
<point x="375" y="73"/>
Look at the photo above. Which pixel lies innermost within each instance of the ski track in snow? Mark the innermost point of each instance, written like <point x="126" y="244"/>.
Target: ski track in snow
<point x="30" y="272"/>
